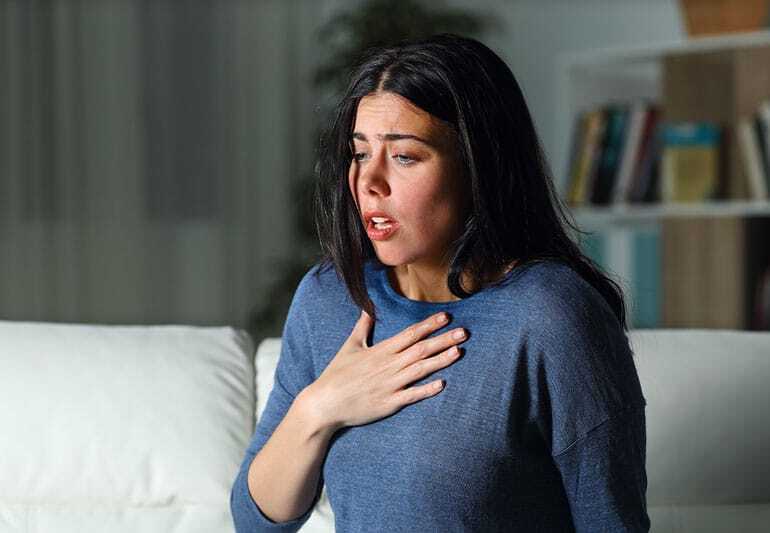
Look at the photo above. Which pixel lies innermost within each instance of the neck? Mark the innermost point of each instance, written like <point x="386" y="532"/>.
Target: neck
<point x="426" y="283"/>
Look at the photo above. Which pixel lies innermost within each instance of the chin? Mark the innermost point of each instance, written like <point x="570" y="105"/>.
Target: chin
<point x="389" y="257"/>
<point x="394" y="258"/>
<point x="389" y="260"/>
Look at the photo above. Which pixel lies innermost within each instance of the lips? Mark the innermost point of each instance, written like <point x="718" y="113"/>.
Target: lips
<point x="378" y="218"/>
<point x="379" y="225"/>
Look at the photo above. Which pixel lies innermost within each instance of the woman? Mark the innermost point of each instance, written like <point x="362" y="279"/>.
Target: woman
<point x="436" y="209"/>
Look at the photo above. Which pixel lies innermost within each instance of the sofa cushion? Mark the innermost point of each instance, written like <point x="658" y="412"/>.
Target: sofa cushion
<point x="707" y="411"/>
<point x="707" y="434"/>
<point x="121" y="428"/>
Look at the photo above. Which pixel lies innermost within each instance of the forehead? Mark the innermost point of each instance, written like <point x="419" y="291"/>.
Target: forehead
<point x="386" y="112"/>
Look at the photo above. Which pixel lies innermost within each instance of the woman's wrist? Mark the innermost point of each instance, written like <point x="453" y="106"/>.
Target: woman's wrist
<point x="316" y="418"/>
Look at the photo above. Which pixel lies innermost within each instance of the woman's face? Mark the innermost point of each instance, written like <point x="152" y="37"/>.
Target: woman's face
<point x="406" y="168"/>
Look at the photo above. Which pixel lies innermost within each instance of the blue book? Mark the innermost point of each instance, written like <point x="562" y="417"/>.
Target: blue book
<point x="632" y="257"/>
<point x="646" y="280"/>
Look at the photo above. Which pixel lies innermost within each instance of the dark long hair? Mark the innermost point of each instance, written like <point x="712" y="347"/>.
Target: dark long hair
<point x="516" y="213"/>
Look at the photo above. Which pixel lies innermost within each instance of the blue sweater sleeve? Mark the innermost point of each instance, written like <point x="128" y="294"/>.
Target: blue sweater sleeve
<point x="590" y="408"/>
<point x="604" y="476"/>
<point x="294" y="371"/>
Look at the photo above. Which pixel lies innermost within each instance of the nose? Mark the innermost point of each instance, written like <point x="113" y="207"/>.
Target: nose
<point x="373" y="176"/>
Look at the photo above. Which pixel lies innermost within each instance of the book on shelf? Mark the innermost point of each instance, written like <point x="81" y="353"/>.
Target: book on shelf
<point x="646" y="176"/>
<point x="640" y="120"/>
<point x="590" y="130"/>
<point x="761" y="126"/>
<point x="763" y="120"/>
<point x="623" y="153"/>
<point x="753" y="166"/>
<point x="575" y="152"/>
<point x="609" y="155"/>
<point x="613" y="154"/>
<point x="690" y="166"/>
<point x="754" y="143"/>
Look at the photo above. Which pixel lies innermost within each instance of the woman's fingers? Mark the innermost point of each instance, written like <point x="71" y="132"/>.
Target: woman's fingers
<point x="400" y="341"/>
<point x="414" y="333"/>
<point x="361" y="330"/>
<point x="428" y="347"/>
<point x="363" y="384"/>
<point x="418" y="392"/>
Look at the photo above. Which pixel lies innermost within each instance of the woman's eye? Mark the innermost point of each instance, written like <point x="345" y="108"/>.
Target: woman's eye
<point x="402" y="159"/>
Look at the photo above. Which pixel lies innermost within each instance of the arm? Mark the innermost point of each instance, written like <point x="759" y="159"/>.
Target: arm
<point x="280" y="478"/>
<point x="589" y="405"/>
<point x="604" y="475"/>
<point x="284" y="476"/>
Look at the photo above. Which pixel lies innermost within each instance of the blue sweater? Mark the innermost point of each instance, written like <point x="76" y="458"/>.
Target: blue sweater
<point x="540" y="426"/>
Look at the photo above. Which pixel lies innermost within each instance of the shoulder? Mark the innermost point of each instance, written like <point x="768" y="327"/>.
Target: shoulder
<point x="557" y="283"/>
<point x="320" y="290"/>
<point x="559" y="302"/>
<point x="576" y="338"/>
<point x="318" y="280"/>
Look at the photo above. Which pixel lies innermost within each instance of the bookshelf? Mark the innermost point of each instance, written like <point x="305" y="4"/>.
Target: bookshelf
<point x="591" y="78"/>
<point x="633" y="215"/>
<point x="681" y="264"/>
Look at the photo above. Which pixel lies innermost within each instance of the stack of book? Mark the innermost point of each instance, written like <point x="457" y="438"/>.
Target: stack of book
<point x="754" y="140"/>
<point x="615" y="154"/>
<point x="624" y="153"/>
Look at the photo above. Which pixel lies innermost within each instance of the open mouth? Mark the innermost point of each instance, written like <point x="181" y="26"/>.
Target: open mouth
<point x="381" y="223"/>
<point x="380" y="228"/>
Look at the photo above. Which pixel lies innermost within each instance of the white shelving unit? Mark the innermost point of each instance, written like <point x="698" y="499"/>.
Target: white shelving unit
<point x="635" y="215"/>
<point x="591" y="78"/>
<point x="625" y="239"/>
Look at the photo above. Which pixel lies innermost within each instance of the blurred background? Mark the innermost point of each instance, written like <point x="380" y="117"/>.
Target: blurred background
<point x="156" y="156"/>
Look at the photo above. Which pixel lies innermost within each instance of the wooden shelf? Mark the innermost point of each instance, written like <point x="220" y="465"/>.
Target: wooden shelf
<point x="603" y="218"/>
<point x="653" y="53"/>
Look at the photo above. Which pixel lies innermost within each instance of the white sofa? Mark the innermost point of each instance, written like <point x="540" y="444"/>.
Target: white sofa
<point x="142" y="428"/>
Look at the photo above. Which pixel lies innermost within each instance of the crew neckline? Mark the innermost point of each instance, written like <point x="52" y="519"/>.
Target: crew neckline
<point x="381" y="275"/>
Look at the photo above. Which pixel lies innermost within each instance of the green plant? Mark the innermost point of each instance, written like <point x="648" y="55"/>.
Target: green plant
<point x="344" y="37"/>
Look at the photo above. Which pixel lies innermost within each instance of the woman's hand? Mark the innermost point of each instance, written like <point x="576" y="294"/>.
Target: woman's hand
<point x="362" y="383"/>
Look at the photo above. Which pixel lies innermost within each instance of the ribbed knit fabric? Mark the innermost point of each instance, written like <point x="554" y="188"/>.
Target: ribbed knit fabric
<point x="540" y="427"/>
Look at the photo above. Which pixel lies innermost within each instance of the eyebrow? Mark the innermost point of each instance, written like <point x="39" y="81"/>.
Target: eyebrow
<point x="392" y="137"/>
